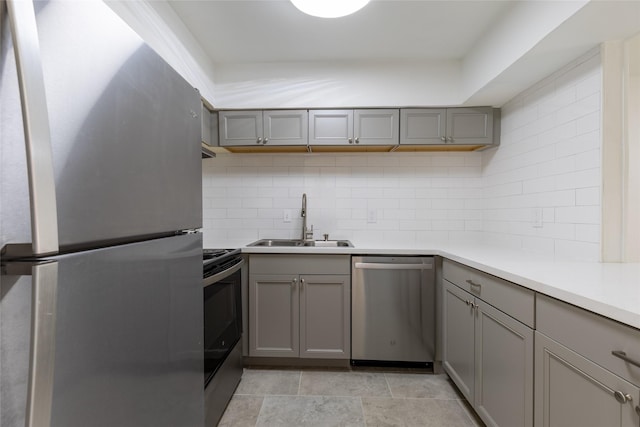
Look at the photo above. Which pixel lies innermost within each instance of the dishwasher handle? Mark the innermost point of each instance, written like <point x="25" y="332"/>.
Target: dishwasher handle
<point x="391" y="266"/>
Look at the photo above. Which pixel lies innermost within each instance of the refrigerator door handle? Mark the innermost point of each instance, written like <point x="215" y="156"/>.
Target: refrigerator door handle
<point x="42" y="190"/>
<point x="42" y="353"/>
<point x="44" y="279"/>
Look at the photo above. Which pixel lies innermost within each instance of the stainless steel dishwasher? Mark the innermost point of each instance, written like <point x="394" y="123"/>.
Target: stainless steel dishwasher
<point x="392" y="310"/>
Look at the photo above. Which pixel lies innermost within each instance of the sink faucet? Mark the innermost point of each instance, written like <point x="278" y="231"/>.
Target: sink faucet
<point x="307" y="234"/>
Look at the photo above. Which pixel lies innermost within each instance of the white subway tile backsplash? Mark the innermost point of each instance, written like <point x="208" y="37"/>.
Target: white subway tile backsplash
<point x="547" y="166"/>
<point x="554" y="126"/>
<point x="588" y="196"/>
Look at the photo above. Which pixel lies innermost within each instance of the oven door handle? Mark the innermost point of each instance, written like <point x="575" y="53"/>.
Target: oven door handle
<point x="219" y="276"/>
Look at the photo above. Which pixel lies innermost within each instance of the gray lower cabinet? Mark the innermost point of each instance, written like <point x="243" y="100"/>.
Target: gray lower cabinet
<point x="579" y="382"/>
<point x="487" y="353"/>
<point x="459" y="339"/>
<point x="299" y="315"/>
<point x="574" y="391"/>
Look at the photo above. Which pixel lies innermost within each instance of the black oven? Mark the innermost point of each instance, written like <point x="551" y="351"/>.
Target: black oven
<point x="222" y="310"/>
<point x="222" y="292"/>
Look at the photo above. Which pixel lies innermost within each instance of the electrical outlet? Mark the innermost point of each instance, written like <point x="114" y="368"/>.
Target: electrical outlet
<point x="286" y="215"/>
<point x="372" y="216"/>
<point x="537" y="218"/>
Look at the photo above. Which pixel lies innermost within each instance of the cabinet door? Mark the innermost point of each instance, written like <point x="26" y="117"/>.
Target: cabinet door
<point x="240" y="128"/>
<point x="574" y="391"/>
<point x="376" y="127"/>
<point x="274" y="313"/>
<point x="458" y="338"/>
<point x="470" y="126"/>
<point x="504" y="368"/>
<point x="325" y="308"/>
<point x="330" y="127"/>
<point x="205" y="115"/>
<point x="423" y="126"/>
<point x="286" y="127"/>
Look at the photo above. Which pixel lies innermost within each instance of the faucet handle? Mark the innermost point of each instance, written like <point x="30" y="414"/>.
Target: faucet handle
<point x="326" y="236"/>
<point x="308" y="233"/>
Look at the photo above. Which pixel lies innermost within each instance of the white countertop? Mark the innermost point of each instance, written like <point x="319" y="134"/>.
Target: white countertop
<point x="608" y="289"/>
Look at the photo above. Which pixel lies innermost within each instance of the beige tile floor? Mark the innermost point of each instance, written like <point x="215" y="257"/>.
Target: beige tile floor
<point x="282" y="398"/>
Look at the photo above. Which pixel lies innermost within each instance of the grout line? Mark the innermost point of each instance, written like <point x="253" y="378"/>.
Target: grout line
<point x="388" y="385"/>
<point x="260" y="411"/>
<point x="364" y="419"/>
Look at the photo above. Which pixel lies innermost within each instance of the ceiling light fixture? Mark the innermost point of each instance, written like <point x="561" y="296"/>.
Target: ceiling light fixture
<point x="329" y="8"/>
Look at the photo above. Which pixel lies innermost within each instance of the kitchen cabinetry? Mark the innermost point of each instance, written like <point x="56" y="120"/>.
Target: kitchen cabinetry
<point x="371" y="127"/>
<point x="579" y="382"/>
<point x="488" y="343"/>
<point x="268" y="128"/>
<point x="443" y="126"/>
<point x="299" y="306"/>
<point x="209" y="129"/>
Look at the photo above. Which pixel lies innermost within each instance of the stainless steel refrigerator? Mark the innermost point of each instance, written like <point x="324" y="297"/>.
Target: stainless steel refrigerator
<point x="100" y="206"/>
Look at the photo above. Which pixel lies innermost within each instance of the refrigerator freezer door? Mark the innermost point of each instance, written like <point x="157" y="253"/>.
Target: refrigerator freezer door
<point x="128" y="345"/>
<point x="125" y="132"/>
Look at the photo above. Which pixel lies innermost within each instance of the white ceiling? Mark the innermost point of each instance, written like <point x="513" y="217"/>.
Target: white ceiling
<point x="240" y="31"/>
<point x="448" y="52"/>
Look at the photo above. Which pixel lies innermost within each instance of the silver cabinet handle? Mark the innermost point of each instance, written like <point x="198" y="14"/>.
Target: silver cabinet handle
<point x="622" y="355"/>
<point x="301" y="283"/>
<point x="450" y="139"/>
<point x="42" y="189"/>
<point x="474" y="305"/>
<point x="350" y="140"/>
<point x="383" y="266"/>
<point x="264" y="141"/>
<point x="294" y="282"/>
<point x="622" y="397"/>
<point x="475" y="285"/>
<point x="467" y="302"/>
<point x="444" y="139"/>
<point x="259" y="141"/>
<point x="358" y="140"/>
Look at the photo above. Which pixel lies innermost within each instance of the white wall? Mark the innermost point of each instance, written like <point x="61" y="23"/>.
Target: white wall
<point x="160" y="27"/>
<point x="549" y="164"/>
<point x="335" y="85"/>
<point x="418" y="199"/>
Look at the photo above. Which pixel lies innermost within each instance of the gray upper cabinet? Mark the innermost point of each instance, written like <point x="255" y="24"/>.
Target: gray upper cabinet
<point x="263" y="128"/>
<point x="354" y="127"/>
<point x="423" y="126"/>
<point x="441" y="126"/>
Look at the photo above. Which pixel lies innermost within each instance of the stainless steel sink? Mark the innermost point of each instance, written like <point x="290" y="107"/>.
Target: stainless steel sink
<point x="276" y="242"/>
<point x="329" y="243"/>
<point x="300" y="243"/>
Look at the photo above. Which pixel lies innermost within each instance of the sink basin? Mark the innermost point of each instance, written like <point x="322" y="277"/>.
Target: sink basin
<point x="329" y="243"/>
<point x="299" y="243"/>
<point x="276" y="242"/>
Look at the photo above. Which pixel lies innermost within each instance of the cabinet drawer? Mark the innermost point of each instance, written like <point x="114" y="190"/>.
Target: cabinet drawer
<point x="516" y="301"/>
<point x="590" y="335"/>
<point x="299" y="264"/>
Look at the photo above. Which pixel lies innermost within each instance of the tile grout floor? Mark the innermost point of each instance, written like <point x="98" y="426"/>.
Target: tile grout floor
<point x="282" y="398"/>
